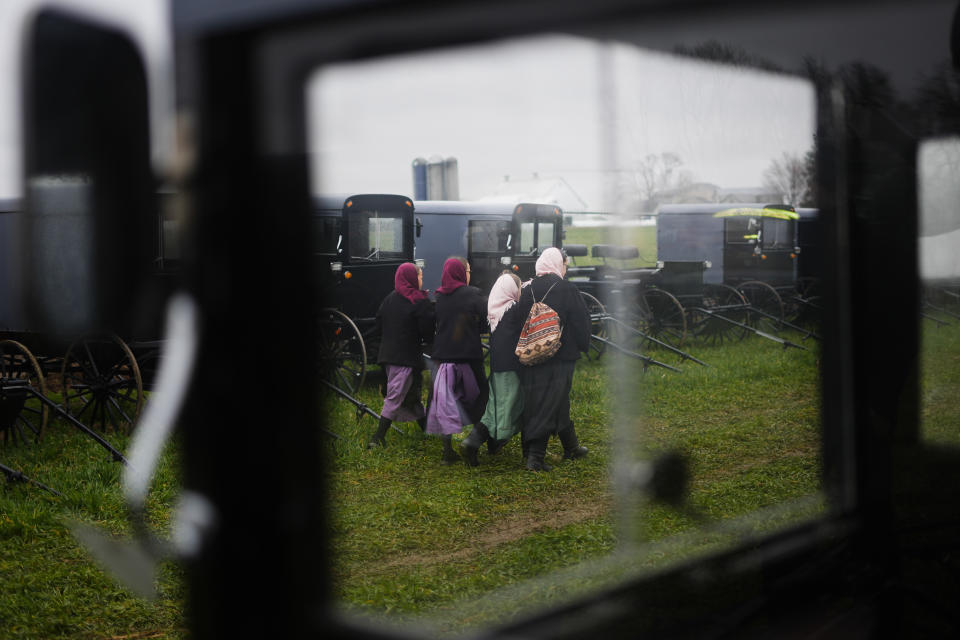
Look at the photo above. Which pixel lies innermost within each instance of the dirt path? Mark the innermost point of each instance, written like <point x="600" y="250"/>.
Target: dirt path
<point x="541" y="516"/>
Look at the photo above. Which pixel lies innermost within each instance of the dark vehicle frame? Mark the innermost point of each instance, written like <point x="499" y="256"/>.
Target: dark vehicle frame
<point x="879" y="561"/>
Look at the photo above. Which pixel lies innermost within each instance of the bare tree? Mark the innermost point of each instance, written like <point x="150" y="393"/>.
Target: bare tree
<point x="789" y="176"/>
<point x="659" y="172"/>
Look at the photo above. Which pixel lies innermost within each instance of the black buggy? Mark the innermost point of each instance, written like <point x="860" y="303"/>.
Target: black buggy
<point x="359" y="241"/>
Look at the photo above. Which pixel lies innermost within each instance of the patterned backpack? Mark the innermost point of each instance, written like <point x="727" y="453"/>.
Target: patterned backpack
<point x="540" y="336"/>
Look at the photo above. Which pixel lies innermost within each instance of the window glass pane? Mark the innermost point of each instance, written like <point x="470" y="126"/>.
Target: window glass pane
<point x="698" y="367"/>
<point x="778" y="234"/>
<point x="374" y="237"/>
<point x="326" y="235"/>
<point x="742" y="230"/>
<point x="489" y="236"/>
<point x="545" y="237"/>
<point x="525" y="242"/>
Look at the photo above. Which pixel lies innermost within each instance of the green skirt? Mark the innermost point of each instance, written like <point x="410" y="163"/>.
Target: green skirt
<point x="505" y="405"/>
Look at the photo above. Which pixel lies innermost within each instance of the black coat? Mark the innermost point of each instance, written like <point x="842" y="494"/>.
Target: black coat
<point x="503" y="342"/>
<point x="461" y="318"/>
<point x="566" y="300"/>
<point x="403" y="327"/>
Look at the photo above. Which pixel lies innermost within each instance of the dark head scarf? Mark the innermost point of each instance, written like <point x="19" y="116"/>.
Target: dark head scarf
<point x="405" y="282"/>
<point x="453" y="277"/>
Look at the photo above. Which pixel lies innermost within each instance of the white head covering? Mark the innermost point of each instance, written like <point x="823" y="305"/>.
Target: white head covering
<point x="550" y="261"/>
<point x="505" y="293"/>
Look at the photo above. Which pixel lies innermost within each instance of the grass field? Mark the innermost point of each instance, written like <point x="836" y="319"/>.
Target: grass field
<point x="457" y="546"/>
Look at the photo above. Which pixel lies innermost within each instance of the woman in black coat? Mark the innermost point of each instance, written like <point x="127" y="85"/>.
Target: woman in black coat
<point x="546" y="386"/>
<point x="405" y="320"/>
<point x="459" y="387"/>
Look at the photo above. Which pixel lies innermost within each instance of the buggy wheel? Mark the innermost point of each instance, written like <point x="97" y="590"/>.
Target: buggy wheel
<point x="766" y="306"/>
<point x="598" y="326"/>
<point x="725" y="301"/>
<point x="22" y="416"/>
<point x="342" y="354"/>
<point x="660" y="314"/>
<point x="102" y="387"/>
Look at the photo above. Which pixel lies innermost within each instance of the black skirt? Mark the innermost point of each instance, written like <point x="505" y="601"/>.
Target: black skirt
<point x="546" y="398"/>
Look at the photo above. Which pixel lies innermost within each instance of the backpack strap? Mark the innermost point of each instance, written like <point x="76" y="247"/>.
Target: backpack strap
<point x="546" y="294"/>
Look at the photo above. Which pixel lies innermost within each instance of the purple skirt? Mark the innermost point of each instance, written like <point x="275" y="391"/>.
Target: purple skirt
<point x="454" y="388"/>
<point x="397" y="406"/>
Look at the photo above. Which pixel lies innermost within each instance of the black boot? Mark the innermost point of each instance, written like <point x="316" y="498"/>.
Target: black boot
<point x="449" y="455"/>
<point x="535" y="454"/>
<point x="496" y="446"/>
<point x="571" y="444"/>
<point x="379" y="438"/>
<point x="472" y="443"/>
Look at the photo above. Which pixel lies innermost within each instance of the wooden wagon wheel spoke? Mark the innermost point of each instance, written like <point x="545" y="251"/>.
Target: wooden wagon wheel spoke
<point x="767" y="304"/>
<point x="102" y="383"/>
<point x="598" y="326"/>
<point x="116" y="406"/>
<point x="660" y="314"/>
<point x="725" y="301"/>
<point x="26" y="415"/>
<point x="341" y="353"/>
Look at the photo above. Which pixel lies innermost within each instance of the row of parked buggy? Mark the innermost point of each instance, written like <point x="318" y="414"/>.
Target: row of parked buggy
<point x="722" y="272"/>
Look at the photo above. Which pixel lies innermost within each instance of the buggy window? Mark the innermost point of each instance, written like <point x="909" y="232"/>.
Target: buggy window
<point x="534" y="237"/>
<point x="777" y="234"/>
<point x="326" y="235"/>
<point x="376" y="236"/>
<point x="742" y="230"/>
<point x="489" y="236"/>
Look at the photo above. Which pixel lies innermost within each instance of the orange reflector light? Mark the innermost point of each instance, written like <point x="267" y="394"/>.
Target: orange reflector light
<point x="763" y="256"/>
<point x="793" y="256"/>
<point x="349" y="203"/>
<point x="337" y="332"/>
<point x="516" y="267"/>
<point x="408" y="203"/>
<point x="347" y="275"/>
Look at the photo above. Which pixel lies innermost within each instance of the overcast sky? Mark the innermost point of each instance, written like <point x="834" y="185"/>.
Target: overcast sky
<point x="544" y="106"/>
<point x="533" y="106"/>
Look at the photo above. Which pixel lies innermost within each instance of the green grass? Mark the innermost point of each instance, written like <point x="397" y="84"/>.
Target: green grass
<point x="51" y="587"/>
<point x="940" y="383"/>
<point x="455" y="547"/>
<point x="414" y="537"/>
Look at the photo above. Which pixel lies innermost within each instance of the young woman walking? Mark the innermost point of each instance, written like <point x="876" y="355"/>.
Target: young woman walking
<point x="405" y="320"/>
<point x="501" y="420"/>
<point x="546" y="386"/>
<point x="459" y="387"/>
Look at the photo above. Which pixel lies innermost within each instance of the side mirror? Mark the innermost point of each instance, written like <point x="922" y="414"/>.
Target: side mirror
<point x="90" y="233"/>
<point x="418" y="225"/>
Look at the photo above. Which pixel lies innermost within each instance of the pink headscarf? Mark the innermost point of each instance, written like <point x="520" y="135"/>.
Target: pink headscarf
<point x="406" y="283"/>
<point x="505" y="293"/>
<point x="550" y="261"/>
<point x="453" y="277"/>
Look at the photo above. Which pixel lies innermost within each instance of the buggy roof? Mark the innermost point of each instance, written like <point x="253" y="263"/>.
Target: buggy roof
<point x="475" y="207"/>
<point x="335" y="201"/>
